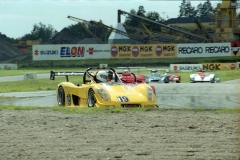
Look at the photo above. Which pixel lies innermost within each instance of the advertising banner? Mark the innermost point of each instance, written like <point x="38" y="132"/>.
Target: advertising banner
<point x="185" y="67"/>
<point x="138" y="51"/>
<point x="219" y="66"/>
<point x="235" y="49"/>
<point x="8" y="66"/>
<point x="238" y="64"/>
<point x="70" y="52"/>
<point x="203" y="50"/>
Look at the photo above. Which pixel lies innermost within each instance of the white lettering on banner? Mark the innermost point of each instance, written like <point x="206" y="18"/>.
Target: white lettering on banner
<point x="185" y="67"/>
<point x="48" y="52"/>
<point x="217" y="49"/>
<point x="189" y="67"/>
<point x="189" y="50"/>
<point x="68" y="74"/>
<point x="135" y="49"/>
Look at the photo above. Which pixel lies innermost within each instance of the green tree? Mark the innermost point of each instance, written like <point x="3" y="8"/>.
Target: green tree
<point x="199" y="10"/>
<point x="131" y="20"/>
<point x="186" y="9"/>
<point x="154" y="16"/>
<point x="182" y="9"/>
<point x="40" y="30"/>
<point x="81" y="32"/>
<point x="189" y="10"/>
<point x="141" y="11"/>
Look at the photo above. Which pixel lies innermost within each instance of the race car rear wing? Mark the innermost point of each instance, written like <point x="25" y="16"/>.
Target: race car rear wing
<point x="66" y="74"/>
<point x="156" y="70"/>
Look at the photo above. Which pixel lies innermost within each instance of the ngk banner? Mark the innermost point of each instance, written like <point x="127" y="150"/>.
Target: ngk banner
<point x="137" y="51"/>
<point x="71" y="52"/>
<point x="219" y="66"/>
<point x="204" y="50"/>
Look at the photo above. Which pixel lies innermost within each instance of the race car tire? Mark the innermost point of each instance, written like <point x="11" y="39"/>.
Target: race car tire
<point x="213" y="80"/>
<point x="61" y="97"/>
<point x="91" y="98"/>
<point x="166" y="79"/>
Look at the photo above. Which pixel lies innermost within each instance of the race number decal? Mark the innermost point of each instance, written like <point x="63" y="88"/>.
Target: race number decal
<point x="122" y="99"/>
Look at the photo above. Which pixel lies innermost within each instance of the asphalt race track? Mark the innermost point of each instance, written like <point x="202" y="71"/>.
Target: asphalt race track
<point x="172" y="95"/>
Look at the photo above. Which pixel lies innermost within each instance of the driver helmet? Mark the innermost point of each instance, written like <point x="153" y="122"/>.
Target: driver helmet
<point x="126" y="71"/>
<point x="199" y="70"/>
<point x="102" y="76"/>
<point x="110" y="76"/>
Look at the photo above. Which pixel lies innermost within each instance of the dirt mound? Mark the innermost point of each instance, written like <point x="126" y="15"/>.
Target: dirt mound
<point x="9" y="53"/>
<point x="64" y="37"/>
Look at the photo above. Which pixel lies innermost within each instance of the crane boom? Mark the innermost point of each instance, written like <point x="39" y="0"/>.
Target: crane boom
<point x="201" y="27"/>
<point x="100" y="25"/>
<point x="149" y="32"/>
<point x="93" y="35"/>
<point x="161" y="24"/>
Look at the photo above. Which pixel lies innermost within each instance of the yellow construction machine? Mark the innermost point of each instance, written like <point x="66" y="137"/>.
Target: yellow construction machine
<point x="227" y="29"/>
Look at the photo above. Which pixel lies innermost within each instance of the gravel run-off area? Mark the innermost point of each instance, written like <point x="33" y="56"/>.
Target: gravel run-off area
<point x="132" y="134"/>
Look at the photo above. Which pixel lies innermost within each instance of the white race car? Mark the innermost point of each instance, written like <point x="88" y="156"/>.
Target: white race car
<point x="202" y="76"/>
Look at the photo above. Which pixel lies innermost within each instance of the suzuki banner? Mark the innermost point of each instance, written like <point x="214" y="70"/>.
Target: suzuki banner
<point x="70" y="52"/>
<point x="203" y="50"/>
<point x="137" y="51"/>
<point x="185" y="67"/>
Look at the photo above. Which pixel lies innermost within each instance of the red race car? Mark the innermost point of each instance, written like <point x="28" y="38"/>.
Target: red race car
<point x="132" y="79"/>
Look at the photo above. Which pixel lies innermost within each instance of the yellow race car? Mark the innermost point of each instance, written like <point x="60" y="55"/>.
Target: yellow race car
<point x="102" y="88"/>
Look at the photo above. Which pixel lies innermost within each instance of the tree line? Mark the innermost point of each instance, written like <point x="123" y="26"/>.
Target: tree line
<point x="47" y="32"/>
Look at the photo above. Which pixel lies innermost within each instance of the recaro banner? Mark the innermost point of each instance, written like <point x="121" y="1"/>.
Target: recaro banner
<point x="71" y="52"/>
<point x="120" y="51"/>
<point x="204" y="50"/>
<point x="219" y="66"/>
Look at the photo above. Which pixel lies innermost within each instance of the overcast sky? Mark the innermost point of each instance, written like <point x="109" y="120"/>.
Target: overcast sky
<point x="17" y="17"/>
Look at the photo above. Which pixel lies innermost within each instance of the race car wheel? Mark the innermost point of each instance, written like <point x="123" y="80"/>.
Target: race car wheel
<point x="166" y="79"/>
<point x="213" y="80"/>
<point x="91" y="98"/>
<point x="61" y="97"/>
